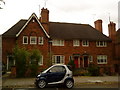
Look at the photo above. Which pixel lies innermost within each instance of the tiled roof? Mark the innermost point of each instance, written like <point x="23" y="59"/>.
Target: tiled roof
<point x="14" y="29"/>
<point x="63" y="31"/>
<point x="75" y="31"/>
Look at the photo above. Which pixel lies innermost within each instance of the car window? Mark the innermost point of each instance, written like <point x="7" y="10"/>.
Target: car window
<point x="58" y="69"/>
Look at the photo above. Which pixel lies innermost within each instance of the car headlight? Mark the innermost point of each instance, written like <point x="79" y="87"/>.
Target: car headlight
<point x="38" y="75"/>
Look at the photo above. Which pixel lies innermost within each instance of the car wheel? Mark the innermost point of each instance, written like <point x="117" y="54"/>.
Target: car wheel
<point x="69" y="83"/>
<point x="41" y="83"/>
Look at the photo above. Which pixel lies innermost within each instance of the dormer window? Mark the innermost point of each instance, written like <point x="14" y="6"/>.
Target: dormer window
<point x="25" y="39"/>
<point x="33" y="40"/>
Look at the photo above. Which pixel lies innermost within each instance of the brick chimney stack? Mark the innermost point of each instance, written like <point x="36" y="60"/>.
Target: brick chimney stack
<point x="44" y="19"/>
<point x="98" y="25"/>
<point x="112" y="30"/>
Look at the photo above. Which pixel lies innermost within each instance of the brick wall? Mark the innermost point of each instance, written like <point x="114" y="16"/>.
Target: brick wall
<point x="68" y="50"/>
<point x="34" y="29"/>
<point x="8" y="43"/>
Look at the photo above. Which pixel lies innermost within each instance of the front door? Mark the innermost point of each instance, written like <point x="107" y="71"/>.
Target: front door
<point x="76" y="62"/>
<point x="85" y="61"/>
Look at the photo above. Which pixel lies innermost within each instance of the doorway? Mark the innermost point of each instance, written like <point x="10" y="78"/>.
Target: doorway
<point x="76" y="62"/>
<point x="86" y="61"/>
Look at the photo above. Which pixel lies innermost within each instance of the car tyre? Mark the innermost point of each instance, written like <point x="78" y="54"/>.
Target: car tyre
<point x="41" y="84"/>
<point x="69" y="84"/>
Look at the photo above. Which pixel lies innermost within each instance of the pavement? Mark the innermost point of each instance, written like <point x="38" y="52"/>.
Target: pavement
<point x="79" y="81"/>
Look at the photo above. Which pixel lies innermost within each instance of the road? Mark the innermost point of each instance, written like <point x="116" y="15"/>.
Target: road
<point x="87" y="86"/>
<point x="81" y="83"/>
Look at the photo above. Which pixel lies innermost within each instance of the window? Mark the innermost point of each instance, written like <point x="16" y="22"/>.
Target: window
<point x="58" y="69"/>
<point x="25" y="39"/>
<point x="33" y="40"/>
<point x="91" y="58"/>
<point x="70" y="58"/>
<point x="41" y="61"/>
<point x="102" y="59"/>
<point x="101" y="44"/>
<point x="58" y="42"/>
<point x="58" y="59"/>
<point x="85" y="43"/>
<point x="76" y="43"/>
<point x="34" y="61"/>
<point x="40" y="41"/>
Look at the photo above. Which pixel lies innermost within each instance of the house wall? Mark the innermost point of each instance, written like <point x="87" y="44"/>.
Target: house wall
<point x="68" y="50"/>
<point x="34" y="29"/>
<point x="8" y="44"/>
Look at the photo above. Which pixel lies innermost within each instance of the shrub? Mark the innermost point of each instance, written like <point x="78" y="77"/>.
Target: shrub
<point x="71" y="63"/>
<point x="93" y="70"/>
<point x="35" y="58"/>
<point x="20" y="56"/>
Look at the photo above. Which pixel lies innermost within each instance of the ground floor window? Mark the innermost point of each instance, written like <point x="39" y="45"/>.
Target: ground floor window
<point x="102" y="59"/>
<point x="58" y="59"/>
<point x="10" y="62"/>
<point x="34" y="61"/>
<point x="41" y="61"/>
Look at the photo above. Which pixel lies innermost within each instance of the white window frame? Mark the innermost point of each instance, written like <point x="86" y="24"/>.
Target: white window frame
<point x="101" y="59"/>
<point x="54" y="59"/>
<point x="91" y="58"/>
<point x="24" y="39"/>
<point x="34" y="38"/>
<point x="57" y="42"/>
<point x="98" y="44"/>
<point x="85" y="43"/>
<point x="76" y="43"/>
<point x="41" y="61"/>
<point x="40" y="40"/>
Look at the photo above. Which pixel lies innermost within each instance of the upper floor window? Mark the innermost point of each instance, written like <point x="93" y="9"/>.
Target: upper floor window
<point x="33" y="40"/>
<point x="85" y="43"/>
<point x="58" y="59"/>
<point x="76" y="43"/>
<point x="25" y="39"/>
<point x="101" y="44"/>
<point x="102" y="59"/>
<point x="58" y="42"/>
<point x="40" y="40"/>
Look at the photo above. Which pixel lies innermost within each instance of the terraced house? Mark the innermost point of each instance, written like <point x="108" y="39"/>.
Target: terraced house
<point x="61" y="42"/>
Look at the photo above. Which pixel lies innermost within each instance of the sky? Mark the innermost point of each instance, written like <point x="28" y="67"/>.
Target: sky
<point x="70" y="11"/>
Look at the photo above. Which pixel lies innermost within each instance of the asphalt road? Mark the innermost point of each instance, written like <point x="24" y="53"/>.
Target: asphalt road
<point x="81" y="83"/>
<point x="96" y="86"/>
<point x="62" y="89"/>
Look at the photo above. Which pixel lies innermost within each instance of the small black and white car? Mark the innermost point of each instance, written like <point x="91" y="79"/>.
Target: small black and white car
<point x="56" y="74"/>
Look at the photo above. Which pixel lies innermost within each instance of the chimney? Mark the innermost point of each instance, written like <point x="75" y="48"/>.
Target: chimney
<point x="44" y="19"/>
<point x="44" y="15"/>
<point x="98" y="25"/>
<point x="112" y="30"/>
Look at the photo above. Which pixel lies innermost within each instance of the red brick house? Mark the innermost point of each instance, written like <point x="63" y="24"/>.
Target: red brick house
<point x="60" y="42"/>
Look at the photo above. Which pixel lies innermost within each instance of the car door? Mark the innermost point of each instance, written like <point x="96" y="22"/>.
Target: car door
<point x="56" y="74"/>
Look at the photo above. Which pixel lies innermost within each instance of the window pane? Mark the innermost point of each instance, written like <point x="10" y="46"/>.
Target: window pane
<point x="25" y="40"/>
<point x="40" y="40"/>
<point x="33" y="40"/>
